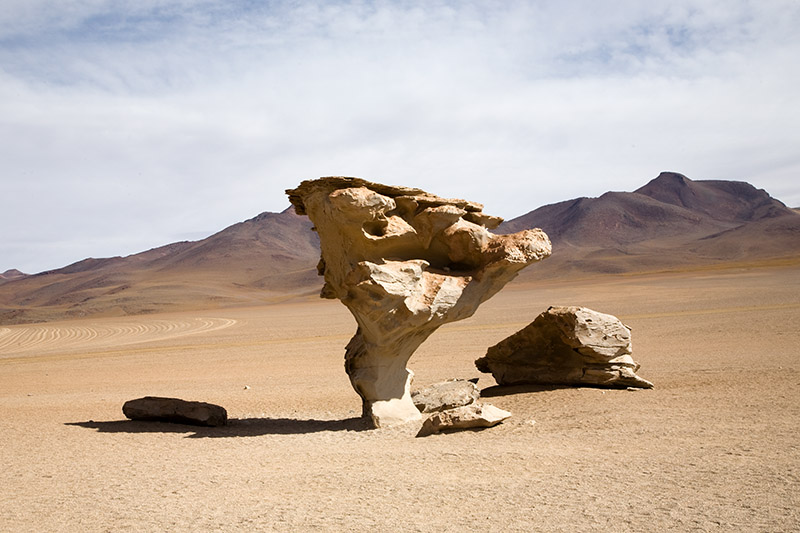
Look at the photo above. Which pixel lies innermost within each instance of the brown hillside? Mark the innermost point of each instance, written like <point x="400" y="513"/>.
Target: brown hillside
<point x="267" y="257"/>
<point x="670" y="223"/>
<point x="614" y="219"/>
<point x="11" y="274"/>
<point x="733" y="201"/>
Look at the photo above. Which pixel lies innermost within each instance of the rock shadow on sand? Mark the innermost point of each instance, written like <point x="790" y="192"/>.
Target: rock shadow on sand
<point x="508" y="390"/>
<point x="236" y="427"/>
<point x="525" y="388"/>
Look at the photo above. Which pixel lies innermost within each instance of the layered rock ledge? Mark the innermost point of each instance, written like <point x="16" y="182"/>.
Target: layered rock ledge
<point x="404" y="262"/>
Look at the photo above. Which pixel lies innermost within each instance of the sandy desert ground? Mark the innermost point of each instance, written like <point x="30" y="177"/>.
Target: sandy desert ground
<point x="714" y="447"/>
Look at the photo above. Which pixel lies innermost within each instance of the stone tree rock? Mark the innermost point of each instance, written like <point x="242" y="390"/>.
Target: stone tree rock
<point x="404" y="262"/>
<point x="566" y="346"/>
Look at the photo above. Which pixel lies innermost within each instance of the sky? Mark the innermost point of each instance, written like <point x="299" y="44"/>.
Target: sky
<point x="126" y="125"/>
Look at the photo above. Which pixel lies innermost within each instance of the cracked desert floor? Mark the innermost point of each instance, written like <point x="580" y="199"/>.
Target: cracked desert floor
<point x="714" y="447"/>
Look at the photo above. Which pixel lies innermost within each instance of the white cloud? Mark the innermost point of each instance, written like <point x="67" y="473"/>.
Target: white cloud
<point x="127" y="125"/>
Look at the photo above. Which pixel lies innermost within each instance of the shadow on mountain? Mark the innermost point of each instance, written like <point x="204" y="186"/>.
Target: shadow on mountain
<point x="236" y="427"/>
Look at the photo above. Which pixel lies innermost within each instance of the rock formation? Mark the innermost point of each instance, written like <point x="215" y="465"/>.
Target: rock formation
<point x="176" y="411"/>
<point x="445" y="395"/>
<point x="475" y="415"/>
<point x="452" y="405"/>
<point x="404" y="262"/>
<point x="567" y="346"/>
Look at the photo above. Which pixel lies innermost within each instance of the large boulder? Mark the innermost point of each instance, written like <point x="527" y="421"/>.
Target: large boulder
<point x="566" y="346"/>
<point x="404" y="262"/>
<point x="176" y="411"/>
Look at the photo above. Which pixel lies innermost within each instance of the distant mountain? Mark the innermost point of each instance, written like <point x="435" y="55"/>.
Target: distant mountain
<point x="11" y="274"/>
<point x="260" y="260"/>
<point x="672" y="222"/>
<point x="733" y="201"/>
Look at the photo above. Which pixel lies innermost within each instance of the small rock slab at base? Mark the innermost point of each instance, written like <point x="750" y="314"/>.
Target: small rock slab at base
<point x="475" y="415"/>
<point x="566" y="346"/>
<point x="445" y="395"/>
<point x="176" y="411"/>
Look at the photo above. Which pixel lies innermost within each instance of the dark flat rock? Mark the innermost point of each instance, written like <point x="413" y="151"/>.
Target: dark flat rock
<point x="176" y="411"/>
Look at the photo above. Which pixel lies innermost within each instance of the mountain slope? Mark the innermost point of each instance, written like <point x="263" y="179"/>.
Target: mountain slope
<point x="11" y="275"/>
<point x="266" y="257"/>
<point x="672" y="222"/>
<point x="732" y="201"/>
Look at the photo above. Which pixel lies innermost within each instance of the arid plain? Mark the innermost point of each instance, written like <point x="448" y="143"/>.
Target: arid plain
<point x="714" y="447"/>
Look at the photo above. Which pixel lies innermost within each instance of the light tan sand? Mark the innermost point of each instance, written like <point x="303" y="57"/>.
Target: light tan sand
<point x="715" y="447"/>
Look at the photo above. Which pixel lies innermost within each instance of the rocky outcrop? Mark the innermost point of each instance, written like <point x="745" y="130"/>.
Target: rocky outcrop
<point x="176" y="411"/>
<point x="453" y="405"/>
<point x="404" y="262"/>
<point x="475" y="415"/>
<point x="445" y="395"/>
<point x="566" y="346"/>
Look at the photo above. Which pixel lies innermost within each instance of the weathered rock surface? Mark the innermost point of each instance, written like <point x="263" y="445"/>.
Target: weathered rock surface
<point x="176" y="411"/>
<point x="566" y="346"/>
<point x="475" y="415"/>
<point x="404" y="262"/>
<point x="445" y="395"/>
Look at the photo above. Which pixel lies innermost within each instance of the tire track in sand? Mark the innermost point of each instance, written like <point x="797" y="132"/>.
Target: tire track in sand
<point x="26" y="339"/>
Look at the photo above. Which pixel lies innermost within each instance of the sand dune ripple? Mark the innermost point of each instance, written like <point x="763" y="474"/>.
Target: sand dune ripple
<point x="16" y="340"/>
